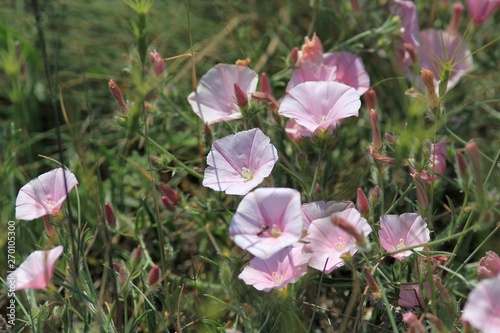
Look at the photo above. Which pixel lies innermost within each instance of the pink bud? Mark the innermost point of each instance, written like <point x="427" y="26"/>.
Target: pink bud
<point x="460" y="164"/>
<point x="170" y="193"/>
<point x="318" y="189"/>
<point x="362" y="202"/>
<point x="154" y="275"/>
<point x="122" y="273"/>
<point x="489" y="265"/>
<point x="117" y="94"/>
<point x="458" y="9"/>
<point x="265" y="87"/>
<point x="157" y="62"/>
<point x="167" y="203"/>
<point x="109" y="214"/>
<point x="136" y="255"/>
<point x="372" y="283"/>
<point x="293" y="57"/>
<point x="377" y="140"/>
<point x="371" y="99"/>
<point x="241" y="96"/>
<point x="423" y="200"/>
<point x="391" y="138"/>
<point x="375" y="195"/>
<point x="312" y="50"/>
<point x="349" y="228"/>
<point x="475" y="160"/>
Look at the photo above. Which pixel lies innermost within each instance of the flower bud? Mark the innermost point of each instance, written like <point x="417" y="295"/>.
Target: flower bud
<point x="265" y="87"/>
<point x="375" y="195"/>
<point x="293" y="57"/>
<point x="136" y="255"/>
<point x="109" y="214"/>
<point x="371" y="99"/>
<point x="372" y="283"/>
<point x="167" y="203"/>
<point x="428" y="79"/>
<point x="489" y="265"/>
<point x="157" y="62"/>
<point x="458" y="9"/>
<point x="377" y="140"/>
<point x="170" y="193"/>
<point x="349" y="228"/>
<point x="318" y="189"/>
<point x="475" y="161"/>
<point x="356" y="8"/>
<point x="362" y="202"/>
<point x="154" y="275"/>
<point x="460" y="164"/>
<point x="117" y="94"/>
<point x="241" y="96"/>
<point x="122" y="273"/>
<point x="423" y="200"/>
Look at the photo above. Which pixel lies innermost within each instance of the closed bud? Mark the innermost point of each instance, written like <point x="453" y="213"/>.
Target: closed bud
<point x="349" y="228"/>
<point x="391" y="139"/>
<point x="318" y="189"/>
<point x="136" y="255"/>
<point x="167" y="203"/>
<point x="265" y="87"/>
<point x="375" y="195"/>
<point x="476" y="166"/>
<point x="157" y="63"/>
<point x="117" y="94"/>
<point x="170" y="193"/>
<point x="356" y="8"/>
<point x="458" y="9"/>
<point x="372" y="283"/>
<point x="371" y="99"/>
<point x="241" y="96"/>
<point x="377" y="140"/>
<point x="154" y="275"/>
<point x="423" y="200"/>
<point x="122" y="273"/>
<point x="428" y="79"/>
<point x="362" y="202"/>
<point x="293" y="57"/>
<point x="109" y="214"/>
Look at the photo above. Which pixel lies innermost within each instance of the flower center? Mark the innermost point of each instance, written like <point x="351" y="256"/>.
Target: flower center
<point x="246" y="174"/>
<point x="340" y="245"/>
<point x="50" y="203"/>
<point x="321" y="120"/>
<point x="277" y="278"/>
<point x="401" y="244"/>
<point x="275" y="231"/>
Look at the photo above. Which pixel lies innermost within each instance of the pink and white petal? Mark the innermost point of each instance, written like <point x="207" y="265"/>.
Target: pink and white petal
<point x="482" y="309"/>
<point x="214" y="101"/>
<point x="319" y="209"/>
<point x="36" y="271"/>
<point x="350" y="70"/>
<point x="309" y="71"/>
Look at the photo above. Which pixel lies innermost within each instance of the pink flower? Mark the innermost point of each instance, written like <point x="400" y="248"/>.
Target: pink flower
<point x="410" y="39"/>
<point x="214" y="98"/>
<point x="438" y="156"/>
<point x="319" y="209"/>
<point x="320" y="105"/>
<point x="350" y="70"/>
<point x="442" y="52"/>
<point x="489" y="265"/>
<point x="480" y="10"/>
<point x="157" y="62"/>
<point x="237" y="163"/>
<point x="397" y="232"/>
<point x="36" y="271"/>
<point x="44" y="195"/>
<point x="411" y="295"/>
<point x="328" y="243"/>
<point x="482" y="309"/>
<point x="267" y="220"/>
<point x="309" y="71"/>
<point x="284" y="267"/>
